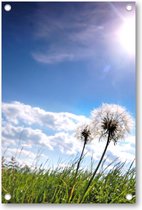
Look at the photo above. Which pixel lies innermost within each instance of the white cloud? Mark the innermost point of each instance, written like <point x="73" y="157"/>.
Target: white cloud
<point x="30" y="128"/>
<point x="124" y="150"/>
<point x="53" y="57"/>
<point x="30" y="138"/>
<point x="17" y="112"/>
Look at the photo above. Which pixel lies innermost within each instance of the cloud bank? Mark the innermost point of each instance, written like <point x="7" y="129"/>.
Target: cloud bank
<point x="29" y="128"/>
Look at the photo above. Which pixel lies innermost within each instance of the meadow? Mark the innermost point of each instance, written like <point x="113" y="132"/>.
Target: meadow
<point x="57" y="186"/>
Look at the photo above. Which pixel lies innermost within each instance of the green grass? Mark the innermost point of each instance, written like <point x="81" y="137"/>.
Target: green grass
<point x="55" y="186"/>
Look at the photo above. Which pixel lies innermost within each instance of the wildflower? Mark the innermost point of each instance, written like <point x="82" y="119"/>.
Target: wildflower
<point x="83" y="133"/>
<point x="112" y="120"/>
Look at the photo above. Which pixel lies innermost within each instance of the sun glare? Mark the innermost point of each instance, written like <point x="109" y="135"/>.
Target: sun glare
<point x="126" y="35"/>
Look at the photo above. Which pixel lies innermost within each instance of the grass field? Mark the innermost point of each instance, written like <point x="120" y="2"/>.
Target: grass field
<point x="58" y="185"/>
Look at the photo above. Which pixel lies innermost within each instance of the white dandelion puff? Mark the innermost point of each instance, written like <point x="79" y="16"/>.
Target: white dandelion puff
<point x="83" y="132"/>
<point x="111" y="119"/>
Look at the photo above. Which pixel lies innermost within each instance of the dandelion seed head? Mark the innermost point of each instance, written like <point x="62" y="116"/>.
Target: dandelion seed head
<point x="111" y="119"/>
<point x="83" y="132"/>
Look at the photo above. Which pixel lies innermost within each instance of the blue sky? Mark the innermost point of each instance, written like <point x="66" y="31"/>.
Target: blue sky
<point x="64" y="58"/>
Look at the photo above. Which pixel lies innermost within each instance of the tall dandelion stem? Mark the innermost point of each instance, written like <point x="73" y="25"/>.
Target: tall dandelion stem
<point x="83" y="133"/>
<point x="92" y="177"/>
<point x="78" y="164"/>
<point x="77" y="168"/>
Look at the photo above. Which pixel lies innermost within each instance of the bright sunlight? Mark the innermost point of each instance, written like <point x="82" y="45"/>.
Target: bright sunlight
<point x="126" y="35"/>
